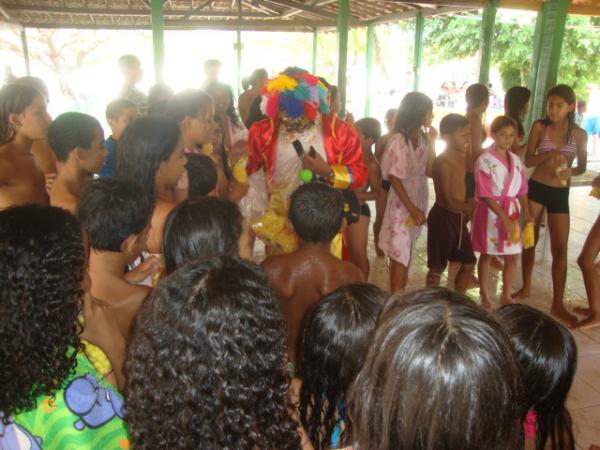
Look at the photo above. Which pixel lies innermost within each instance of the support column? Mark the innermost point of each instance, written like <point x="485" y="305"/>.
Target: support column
<point x="315" y="49"/>
<point x="547" y="45"/>
<point x="486" y="38"/>
<point x="25" y="51"/>
<point x="238" y="50"/>
<point x="342" y="32"/>
<point x="158" y="39"/>
<point x="418" y="57"/>
<point x="369" y="63"/>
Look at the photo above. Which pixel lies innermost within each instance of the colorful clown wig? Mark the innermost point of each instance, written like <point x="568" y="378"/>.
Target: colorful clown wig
<point x="296" y="93"/>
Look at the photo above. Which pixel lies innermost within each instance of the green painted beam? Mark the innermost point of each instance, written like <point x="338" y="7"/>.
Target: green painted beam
<point x="369" y="63"/>
<point x="315" y="50"/>
<point x="25" y="51"/>
<point x="486" y="38"/>
<point x="158" y="38"/>
<point x="418" y="56"/>
<point x="238" y="51"/>
<point x="547" y="45"/>
<point x="342" y="33"/>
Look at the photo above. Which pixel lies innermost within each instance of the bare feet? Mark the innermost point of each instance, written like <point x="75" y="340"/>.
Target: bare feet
<point x="507" y="300"/>
<point x="582" y="310"/>
<point x="563" y="315"/>
<point x="521" y="293"/>
<point x="485" y="302"/>
<point x="588" y="323"/>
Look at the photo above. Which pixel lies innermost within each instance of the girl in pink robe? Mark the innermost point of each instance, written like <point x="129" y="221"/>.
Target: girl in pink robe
<point x="500" y="194"/>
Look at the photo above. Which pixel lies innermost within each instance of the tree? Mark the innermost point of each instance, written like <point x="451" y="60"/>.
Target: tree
<point x="458" y="37"/>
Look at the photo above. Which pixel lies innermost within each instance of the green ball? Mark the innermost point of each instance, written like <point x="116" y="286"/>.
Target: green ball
<point x="306" y="175"/>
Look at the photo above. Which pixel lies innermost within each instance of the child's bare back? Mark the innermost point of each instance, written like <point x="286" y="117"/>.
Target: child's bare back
<point x="21" y="180"/>
<point x="301" y="279"/>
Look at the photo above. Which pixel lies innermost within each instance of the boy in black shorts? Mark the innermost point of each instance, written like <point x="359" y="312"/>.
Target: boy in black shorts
<point x="448" y="238"/>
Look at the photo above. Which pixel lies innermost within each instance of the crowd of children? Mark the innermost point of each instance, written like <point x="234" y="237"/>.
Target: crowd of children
<point x="132" y="315"/>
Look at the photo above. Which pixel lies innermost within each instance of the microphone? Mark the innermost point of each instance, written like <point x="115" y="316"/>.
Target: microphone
<point x="299" y="148"/>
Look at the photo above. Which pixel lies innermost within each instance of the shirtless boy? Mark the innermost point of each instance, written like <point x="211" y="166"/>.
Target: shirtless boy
<point x="447" y="236"/>
<point x="23" y="120"/>
<point x="300" y="279"/>
<point x="77" y="140"/>
<point x="116" y="213"/>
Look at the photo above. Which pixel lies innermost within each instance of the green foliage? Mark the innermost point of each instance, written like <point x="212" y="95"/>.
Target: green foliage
<point x="458" y="38"/>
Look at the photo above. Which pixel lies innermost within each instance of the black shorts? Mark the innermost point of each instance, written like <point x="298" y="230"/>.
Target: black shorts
<point x="554" y="199"/>
<point x="351" y="206"/>
<point x="365" y="210"/>
<point x="448" y="239"/>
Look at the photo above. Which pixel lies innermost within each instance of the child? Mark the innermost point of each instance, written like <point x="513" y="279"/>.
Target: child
<point x="478" y="98"/>
<point x="131" y="70"/>
<point x="52" y="393"/>
<point x="336" y="336"/>
<point x="586" y="259"/>
<point x="380" y="145"/>
<point x="580" y="112"/>
<point x="116" y="216"/>
<point x="547" y="357"/>
<point x="150" y="152"/>
<point x="206" y="363"/>
<point x="439" y="374"/>
<point x="202" y="175"/>
<point x="516" y="106"/>
<point x="252" y="86"/>
<point x="77" y="140"/>
<point x="501" y="194"/>
<point x="448" y="238"/>
<point x="369" y="130"/>
<point x="118" y="114"/>
<point x="23" y="119"/>
<point x="200" y="228"/>
<point x="193" y="110"/>
<point x="553" y="145"/>
<point x="301" y="278"/>
<point x="406" y="164"/>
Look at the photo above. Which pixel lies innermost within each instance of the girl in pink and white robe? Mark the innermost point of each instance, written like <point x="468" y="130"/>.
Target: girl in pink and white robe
<point x="500" y="194"/>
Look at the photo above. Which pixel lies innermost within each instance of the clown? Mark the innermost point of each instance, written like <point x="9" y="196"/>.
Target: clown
<point x="296" y="107"/>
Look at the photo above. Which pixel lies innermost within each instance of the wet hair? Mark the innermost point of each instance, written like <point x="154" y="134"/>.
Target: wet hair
<point x="255" y="114"/>
<point x="231" y="112"/>
<point x="202" y="175"/>
<point x="111" y="210"/>
<point x="502" y="122"/>
<point x="253" y="78"/>
<point x="515" y="100"/>
<point x="476" y="94"/>
<point x="369" y="127"/>
<point x="128" y="61"/>
<point x="207" y="362"/>
<point x="547" y="356"/>
<point x="413" y="109"/>
<point x="42" y="263"/>
<point x="14" y="99"/>
<point x="71" y="130"/>
<point x="200" y="228"/>
<point x="189" y="102"/>
<point x="568" y="95"/>
<point x="453" y="122"/>
<point x="335" y="340"/>
<point x="36" y="83"/>
<point x="115" y="109"/>
<point x="436" y="365"/>
<point x="145" y="143"/>
<point x="316" y="212"/>
<point x="159" y="96"/>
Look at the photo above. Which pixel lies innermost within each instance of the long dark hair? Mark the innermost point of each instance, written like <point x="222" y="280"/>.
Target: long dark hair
<point x="231" y="111"/>
<point x="207" y="363"/>
<point x="413" y="109"/>
<point x="336" y="336"/>
<point x="436" y="366"/>
<point x="14" y="98"/>
<point x="515" y="100"/>
<point x="568" y="95"/>
<point x="547" y="355"/>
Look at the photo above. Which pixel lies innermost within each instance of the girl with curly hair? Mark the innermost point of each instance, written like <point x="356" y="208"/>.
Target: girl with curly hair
<point x="206" y="364"/>
<point x="52" y="396"/>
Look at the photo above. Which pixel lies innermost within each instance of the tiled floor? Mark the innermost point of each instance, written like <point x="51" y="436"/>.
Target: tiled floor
<point x="584" y="398"/>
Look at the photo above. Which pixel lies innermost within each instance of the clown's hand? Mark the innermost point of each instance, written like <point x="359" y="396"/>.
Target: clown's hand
<point x="317" y="164"/>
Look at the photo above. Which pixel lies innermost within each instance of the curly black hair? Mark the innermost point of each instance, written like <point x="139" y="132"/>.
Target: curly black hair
<point x="206" y="363"/>
<point x="41" y="271"/>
